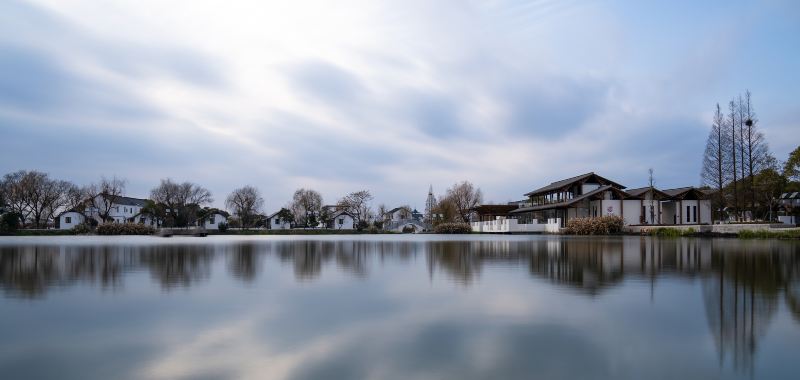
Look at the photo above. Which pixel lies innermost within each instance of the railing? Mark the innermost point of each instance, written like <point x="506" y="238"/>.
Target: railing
<point x="513" y="225"/>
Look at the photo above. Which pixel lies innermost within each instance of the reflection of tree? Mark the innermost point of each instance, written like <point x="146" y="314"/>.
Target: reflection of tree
<point x="741" y="298"/>
<point x="178" y="265"/>
<point x="244" y="261"/>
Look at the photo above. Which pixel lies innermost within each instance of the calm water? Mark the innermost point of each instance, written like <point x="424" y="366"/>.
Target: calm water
<point x="398" y="307"/>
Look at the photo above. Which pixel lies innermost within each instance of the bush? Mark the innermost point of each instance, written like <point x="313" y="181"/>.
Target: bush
<point x="124" y="229"/>
<point x="81" y="229"/>
<point x="222" y="227"/>
<point x="602" y="225"/>
<point x="411" y="229"/>
<point x="9" y="222"/>
<point x="453" y="228"/>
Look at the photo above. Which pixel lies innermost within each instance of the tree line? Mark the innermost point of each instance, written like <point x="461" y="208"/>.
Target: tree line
<point x="738" y="164"/>
<point x="35" y="199"/>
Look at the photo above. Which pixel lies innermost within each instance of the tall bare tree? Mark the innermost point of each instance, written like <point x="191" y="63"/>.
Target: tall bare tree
<point x="732" y="148"/>
<point x="102" y="196"/>
<point x="715" y="158"/>
<point x="180" y="200"/>
<point x="245" y="202"/>
<point x="306" y="207"/>
<point x="357" y="204"/>
<point x="758" y="155"/>
<point x="465" y="196"/>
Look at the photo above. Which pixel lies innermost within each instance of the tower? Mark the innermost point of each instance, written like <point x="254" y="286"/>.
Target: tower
<point x="430" y="204"/>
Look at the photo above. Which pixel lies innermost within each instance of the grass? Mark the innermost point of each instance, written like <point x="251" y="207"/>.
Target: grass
<point x="672" y="232"/>
<point x="765" y="234"/>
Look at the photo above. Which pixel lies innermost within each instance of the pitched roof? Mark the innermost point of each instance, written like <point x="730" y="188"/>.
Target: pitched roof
<point x="573" y="200"/>
<point x="569" y="181"/>
<point x="129" y="201"/>
<point x="681" y="192"/>
<point x="638" y="192"/>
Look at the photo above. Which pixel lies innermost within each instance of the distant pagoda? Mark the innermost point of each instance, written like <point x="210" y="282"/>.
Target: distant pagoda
<point x="430" y="204"/>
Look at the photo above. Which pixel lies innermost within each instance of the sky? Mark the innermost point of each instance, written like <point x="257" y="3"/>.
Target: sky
<point x="392" y="96"/>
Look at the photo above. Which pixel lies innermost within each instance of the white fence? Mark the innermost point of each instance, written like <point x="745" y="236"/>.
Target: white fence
<point x="512" y="225"/>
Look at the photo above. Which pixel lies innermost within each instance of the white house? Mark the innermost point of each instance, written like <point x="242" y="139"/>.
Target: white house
<point x="275" y="222"/>
<point x="213" y="221"/>
<point x="121" y="210"/>
<point x="342" y="220"/>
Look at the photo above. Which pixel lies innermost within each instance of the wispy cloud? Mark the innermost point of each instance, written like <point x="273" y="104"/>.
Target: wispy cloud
<point x="385" y="95"/>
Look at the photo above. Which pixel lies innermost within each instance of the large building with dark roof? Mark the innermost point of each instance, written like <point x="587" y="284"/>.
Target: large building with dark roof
<point x="592" y="195"/>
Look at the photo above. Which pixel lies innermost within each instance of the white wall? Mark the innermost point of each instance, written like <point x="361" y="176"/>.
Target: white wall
<point x="213" y="222"/>
<point x="343" y="222"/>
<point x="277" y="223"/>
<point x="74" y="220"/>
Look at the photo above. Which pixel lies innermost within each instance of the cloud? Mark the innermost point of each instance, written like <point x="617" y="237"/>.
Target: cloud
<point x="384" y="95"/>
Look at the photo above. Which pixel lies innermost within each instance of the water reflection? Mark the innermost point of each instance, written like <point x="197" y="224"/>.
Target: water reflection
<point x="743" y="284"/>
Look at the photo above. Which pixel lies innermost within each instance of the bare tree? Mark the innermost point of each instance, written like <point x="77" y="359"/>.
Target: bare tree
<point x="715" y="158"/>
<point x="758" y="154"/>
<point x="732" y="147"/>
<point x="357" y="205"/>
<point x="246" y="202"/>
<point x="382" y="210"/>
<point x="180" y="200"/>
<point x="104" y="195"/>
<point x="465" y="197"/>
<point x="35" y="196"/>
<point x="306" y="207"/>
<point x="444" y="211"/>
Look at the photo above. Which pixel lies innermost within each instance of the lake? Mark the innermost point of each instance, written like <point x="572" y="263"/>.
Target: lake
<point x="399" y="307"/>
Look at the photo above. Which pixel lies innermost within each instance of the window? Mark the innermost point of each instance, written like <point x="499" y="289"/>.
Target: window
<point x="688" y="213"/>
<point x="341" y="221"/>
<point x="694" y="213"/>
<point x="68" y="219"/>
<point x="212" y="219"/>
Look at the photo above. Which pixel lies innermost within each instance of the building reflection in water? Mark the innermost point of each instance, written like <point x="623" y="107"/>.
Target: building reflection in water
<point x="743" y="282"/>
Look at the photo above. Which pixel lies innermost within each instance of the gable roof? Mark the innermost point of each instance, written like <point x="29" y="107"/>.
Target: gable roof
<point x="641" y="191"/>
<point x="130" y="201"/>
<point x="577" y="199"/>
<point x="569" y="181"/>
<point x="682" y="192"/>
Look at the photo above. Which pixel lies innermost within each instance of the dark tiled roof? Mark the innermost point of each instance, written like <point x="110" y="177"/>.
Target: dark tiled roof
<point x="641" y="191"/>
<point x="680" y="192"/>
<point x="128" y="201"/>
<point x="571" y="201"/>
<point x="566" y="182"/>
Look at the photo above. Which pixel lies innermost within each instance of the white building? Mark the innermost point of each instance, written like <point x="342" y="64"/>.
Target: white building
<point x="590" y="195"/>
<point x="120" y="210"/>
<point x="342" y="220"/>
<point x="213" y="220"/>
<point x="275" y="222"/>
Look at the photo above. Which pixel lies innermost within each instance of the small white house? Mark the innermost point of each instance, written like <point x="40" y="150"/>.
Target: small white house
<point x="342" y="220"/>
<point x="213" y="221"/>
<point x="275" y="222"/>
<point x="69" y="219"/>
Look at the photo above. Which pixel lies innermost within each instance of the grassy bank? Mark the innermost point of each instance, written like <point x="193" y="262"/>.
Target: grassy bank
<point x="764" y="234"/>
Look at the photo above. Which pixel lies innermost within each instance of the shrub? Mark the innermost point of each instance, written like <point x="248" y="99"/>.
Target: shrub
<point x="9" y="222"/>
<point x="453" y="228"/>
<point x="411" y="230"/>
<point x="222" y="227"/>
<point x="124" y="229"/>
<point x="602" y="225"/>
<point x="81" y="229"/>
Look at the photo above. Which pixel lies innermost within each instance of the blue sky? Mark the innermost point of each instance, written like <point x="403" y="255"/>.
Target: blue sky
<point x="390" y="96"/>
